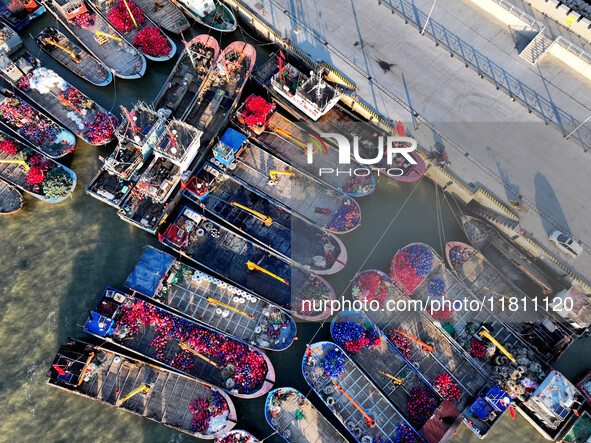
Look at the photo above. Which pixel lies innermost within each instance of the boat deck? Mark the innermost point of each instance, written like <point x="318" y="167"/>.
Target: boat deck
<point x="360" y="388"/>
<point x="109" y="188"/>
<point x="288" y="235"/>
<point x="301" y="193"/>
<point x="168" y="16"/>
<point x="289" y="142"/>
<point x="11" y="200"/>
<point x="144" y="212"/>
<point x="312" y="428"/>
<point x="167" y="400"/>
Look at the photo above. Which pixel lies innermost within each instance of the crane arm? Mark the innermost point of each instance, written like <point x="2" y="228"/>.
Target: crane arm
<point x="186" y="347"/>
<point x="254" y="267"/>
<point x="370" y="421"/>
<point x="429" y="348"/>
<point x="485" y="333"/>
<point x="52" y="42"/>
<point x="24" y="164"/>
<point x="274" y="173"/>
<point x="213" y="301"/>
<point x="266" y="219"/>
<point x="142" y="389"/>
<point x="104" y="34"/>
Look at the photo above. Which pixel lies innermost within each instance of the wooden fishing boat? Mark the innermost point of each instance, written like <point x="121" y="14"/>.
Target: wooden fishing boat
<point x="9" y="40"/>
<point x="73" y="57"/>
<point x="546" y="335"/>
<point x="351" y="396"/>
<point x="144" y="389"/>
<point x="98" y="37"/>
<point x="514" y="264"/>
<point x="181" y="88"/>
<point x="174" y="342"/>
<point x="39" y="130"/>
<point x="259" y="218"/>
<point x="296" y="419"/>
<point x="248" y="266"/>
<point x="33" y="172"/>
<point x="44" y="87"/>
<point x="202" y="297"/>
<point x="285" y="184"/>
<point x="19" y="13"/>
<point x="289" y="142"/>
<point x="221" y="89"/>
<point x="11" y="200"/>
<point x="165" y="14"/>
<point x="136" y="27"/>
<point x="237" y="436"/>
<point x="212" y="14"/>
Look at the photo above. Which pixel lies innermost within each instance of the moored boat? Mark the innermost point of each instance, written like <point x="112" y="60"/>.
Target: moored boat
<point x="73" y="57"/>
<point x="44" y="87"/>
<point x="221" y="89"/>
<point x="237" y="436"/>
<point x="285" y="184"/>
<point x="273" y="226"/>
<point x="136" y="27"/>
<point x="99" y="38"/>
<point x="109" y="188"/>
<point x="165" y="14"/>
<point x="210" y="13"/>
<point x="9" y="40"/>
<point x="352" y="397"/>
<point x="545" y="335"/>
<point x="296" y="419"/>
<point x="33" y="172"/>
<point x="182" y="85"/>
<point x="291" y="143"/>
<point x="183" y="345"/>
<point x="213" y="302"/>
<point x="508" y="259"/>
<point x="126" y="383"/>
<point x="248" y="266"/>
<point x="43" y="133"/>
<point x="11" y="200"/>
<point x="19" y="13"/>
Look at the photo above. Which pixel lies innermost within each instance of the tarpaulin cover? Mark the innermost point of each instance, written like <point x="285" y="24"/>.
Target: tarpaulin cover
<point x="150" y="268"/>
<point x="481" y="408"/>
<point x="233" y="139"/>
<point x="498" y="398"/>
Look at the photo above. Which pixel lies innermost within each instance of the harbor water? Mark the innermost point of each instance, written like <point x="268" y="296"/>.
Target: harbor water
<point x="57" y="259"/>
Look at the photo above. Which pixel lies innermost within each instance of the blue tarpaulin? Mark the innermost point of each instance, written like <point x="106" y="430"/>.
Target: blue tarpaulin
<point x="233" y="139"/>
<point x="150" y="268"/>
<point x="498" y="398"/>
<point x="481" y="408"/>
<point x="99" y="324"/>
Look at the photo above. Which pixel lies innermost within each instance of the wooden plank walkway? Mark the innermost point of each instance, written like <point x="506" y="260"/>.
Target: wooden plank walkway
<point x="11" y="199"/>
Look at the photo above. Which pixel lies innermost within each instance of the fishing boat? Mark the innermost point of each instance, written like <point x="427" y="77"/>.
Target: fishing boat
<point x="98" y="37"/>
<point x="422" y="402"/>
<point x="34" y="172"/>
<point x="9" y="40"/>
<point x="580" y="432"/>
<point x="337" y="118"/>
<point x="11" y="200"/>
<point x="486" y="410"/>
<point x="109" y="188"/>
<point x="290" y="142"/>
<point x="43" y="133"/>
<point x="221" y="89"/>
<point x="285" y="184"/>
<point x="212" y="14"/>
<point x="144" y="212"/>
<point x="352" y="397"/>
<point x="19" y="13"/>
<point x="165" y="14"/>
<point x="183" y="83"/>
<point x="44" y="87"/>
<point x="508" y="259"/>
<point x="73" y="57"/>
<point x="158" y="394"/>
<point x="259" y="218"/>
<point x="544" y="334"/>
<point x="213" y="302"/>
<point x="237" y="436"/>
<point x="182" y="345"/>
<point x="248" y="266"/>
<point x="296" y="419"/>
<point x="136" y="27"/>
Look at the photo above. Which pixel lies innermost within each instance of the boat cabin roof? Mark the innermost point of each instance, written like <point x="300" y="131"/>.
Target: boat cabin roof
<point x="137" y="124"/>
<point x="177" y="140"/>
<point x="72" y="362"/>
<point x="554" y="399"/>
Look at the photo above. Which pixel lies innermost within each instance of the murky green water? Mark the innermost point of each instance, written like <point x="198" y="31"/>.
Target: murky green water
<point x="56" y="260"/>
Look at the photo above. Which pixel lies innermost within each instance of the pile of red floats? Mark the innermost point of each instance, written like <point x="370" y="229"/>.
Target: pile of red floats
<point x="411" y="265"/>
<point x="74" y="97"/>
<point x="370" y="285"/>
<point x="120" y="18"/>
<point x="39" y="166"/>
<point x="82" y="21"/>
<point x="420" y="407"/>
<point x="354" y="336"/>
<point x="32" y="125"/>
<point x="256" y="111"/>
<point x="345" y="218"/>
<point x="101" y="129"/>
<point x="401" y="343"/>
<point x="477" y="348"/>
<point x="458" y="255"/>
<point x="204" y="410"/>
<point x="8" y="146"/>
<point x="250" y="366"/>
<point x="151" y="42"/>
<point x="446" y="387"/>
<point x="404" y="434"/>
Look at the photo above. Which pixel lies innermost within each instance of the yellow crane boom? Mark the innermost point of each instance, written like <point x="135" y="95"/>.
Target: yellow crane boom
<point x="104" y="34"/>
<point x="142" y="389"/>
<point x="23" y="163"/>
<point x="130" y="14"/>
<point x="213" y="301"/>
<point x="186" y="347"/>
<point x="485" y="333"/>
<point x="51" y="41"/>
<point x="266" y="219"/>
<point x="254" y="267"/>
<point x="274" y="173"/>
<point x="397" y="380"/>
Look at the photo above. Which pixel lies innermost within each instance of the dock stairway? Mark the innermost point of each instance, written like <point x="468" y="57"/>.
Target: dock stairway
<point x="537" y="48"/>
<point x="494" y="217"/>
